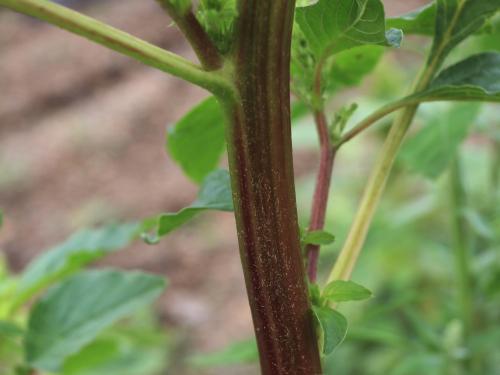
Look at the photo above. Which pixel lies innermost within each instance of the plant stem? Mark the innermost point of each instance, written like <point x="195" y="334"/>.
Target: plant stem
<point x="120" y="41"/>
<point x="321" y="192"/>
<point x="323" y="179"/>
<point x="461" y="244"/>
<point x="260" y="159"/>
<point x="495" y="175"/>
<point x="195" y="34"/>
<point x="374" y="117"/>
<point x="349" y="254"/>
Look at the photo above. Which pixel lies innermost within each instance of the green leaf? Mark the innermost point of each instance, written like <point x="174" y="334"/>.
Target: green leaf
<point x="74" y="312"/>
<point x="318" y="237"/>
<point x="136" y="350"/>
<point x="343" y="291"/>
<point x="431" y="150"/>
<point x="9" y="330"/>
<point x="333" y="328"/>
<point x="458" y="19"/>
<point x="235" y="353"/>
<point x="314" y="294"/>
<point x="217" y="18"/>
<point x="421" y="21"/>
<point x="214" y="194"/>
<point x="348" y="68"/>
<point x="331" y="26"/>
<point x="80" y="249"/>
<point x="197" y="141"/>
<point x="475" y="78"/>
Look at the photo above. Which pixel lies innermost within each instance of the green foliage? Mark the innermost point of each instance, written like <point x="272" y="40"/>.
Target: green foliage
<point x="350" y="31"/>
<point x="73" y="313"/>
<point x="217" y="18"/>
<point x="214" y="194"/>
<point x="82" y="248"/>
<point x="334" y="26"/>
<point x="432" y="149"/>
<point x="235" y="353"/>
<point x="318" y="237"/>
<point x="343" y="291"/>
<point x="456" y="20"/>
<point x="132" y="349"/>
<point x="9" y="330"/>
<point x="348" y="68"/>
<point x="475" y="78"/>
<point x="421" y="21"/>
<point x="200" y="132"/>
<point x="315" y="294"/>
<point x="407" y="329"/>
<point x="332" y="328"/>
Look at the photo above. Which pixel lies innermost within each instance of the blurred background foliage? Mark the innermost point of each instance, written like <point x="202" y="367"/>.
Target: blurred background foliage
<point x="412" y="324"/>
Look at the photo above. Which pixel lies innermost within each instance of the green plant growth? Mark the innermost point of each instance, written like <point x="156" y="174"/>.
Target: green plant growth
<point x="253" y="54"/>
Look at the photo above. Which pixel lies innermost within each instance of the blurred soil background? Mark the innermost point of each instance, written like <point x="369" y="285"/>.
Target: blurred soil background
<point x="82" y="134"/>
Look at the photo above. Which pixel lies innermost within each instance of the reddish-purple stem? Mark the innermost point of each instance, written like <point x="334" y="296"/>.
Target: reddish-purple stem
<point x="321" y="193"/>
<point x="327" y="159"/>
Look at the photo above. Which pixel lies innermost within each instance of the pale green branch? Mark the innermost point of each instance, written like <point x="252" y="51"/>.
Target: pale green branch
<point x="120" y="41"/>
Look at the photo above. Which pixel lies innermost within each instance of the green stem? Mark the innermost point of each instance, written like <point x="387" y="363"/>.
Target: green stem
<point x="461" y="244"/>
<point x="376" y="116"/>
<point x="495" y="176"/>
<point x="120" y="41"/>
<point x="390" y="108"/>
<point x="349" y="254"/>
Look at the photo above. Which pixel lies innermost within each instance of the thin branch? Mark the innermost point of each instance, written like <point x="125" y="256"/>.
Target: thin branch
<point x="202" y="45"/>
<point x="349" y="254"/>
<point x="387" y="109"/>
<point x="323" y="179"/>
<point x="461" y="243"/>
<point x="322" y="190"/>
<point x="120" y="41"/>
<point x="373" y="118"/>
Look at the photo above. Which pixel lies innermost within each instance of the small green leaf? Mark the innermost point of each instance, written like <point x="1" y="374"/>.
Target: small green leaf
<point x="197" y="141"/>
<point x="456" y="20"/>
<point x="217" y="18"/>
<point x="235" y="353"/>
<point x="431" y="150"/>
<point x="314" y="294"/>
<point x="318" y="237"/>
<point x="214" y="194"/>
<point x="343" y="291"/>
<point x="331" y="26"/>
<point x="333" y="328"/>
<point x="83" y="247"/>
<point x="421" y="21"/>
<point x="74" y="312"/>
